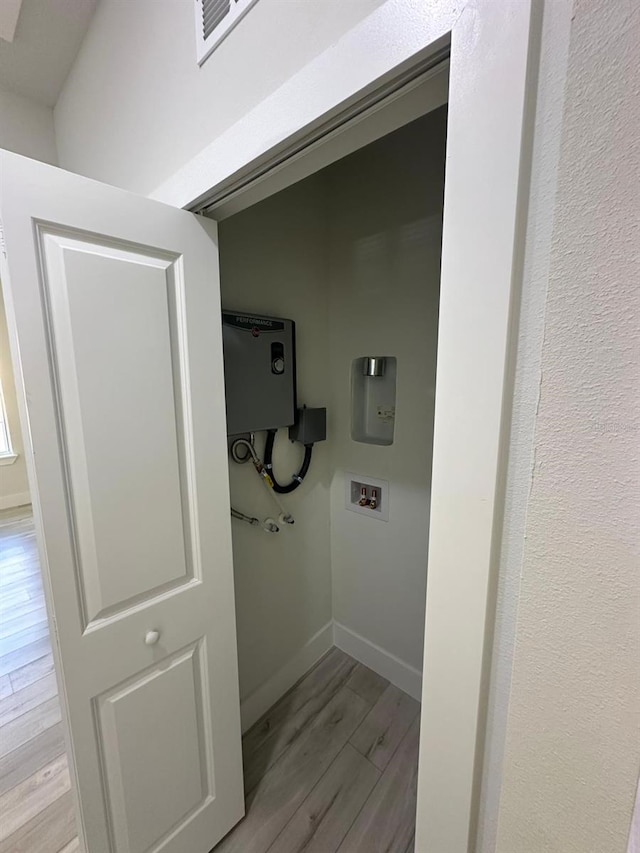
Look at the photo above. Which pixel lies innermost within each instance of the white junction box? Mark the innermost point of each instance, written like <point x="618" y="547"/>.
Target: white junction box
<point x="367" y="496"/>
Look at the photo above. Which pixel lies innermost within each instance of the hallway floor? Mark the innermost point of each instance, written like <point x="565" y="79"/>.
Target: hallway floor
<point x="332" y="767"/>
<point x="36" y="810"/>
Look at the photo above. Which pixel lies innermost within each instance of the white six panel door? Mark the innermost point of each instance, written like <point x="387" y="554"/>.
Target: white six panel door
<point x="114" y="300"/>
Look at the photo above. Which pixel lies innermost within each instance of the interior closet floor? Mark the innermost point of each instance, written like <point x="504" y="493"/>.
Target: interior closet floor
<point x="332" y="767"/>
<point x="36" y="809"/>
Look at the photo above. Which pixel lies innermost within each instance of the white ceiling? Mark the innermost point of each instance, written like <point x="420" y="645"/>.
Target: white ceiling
<point x="47" y="38"/>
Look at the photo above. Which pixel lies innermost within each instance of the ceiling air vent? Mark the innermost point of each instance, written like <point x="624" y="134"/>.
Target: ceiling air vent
<point x="213" y="11"/>
<point x="214" y="20"/>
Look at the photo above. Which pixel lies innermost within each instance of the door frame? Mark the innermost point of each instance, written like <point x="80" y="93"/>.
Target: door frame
<point x="309" y="122"/>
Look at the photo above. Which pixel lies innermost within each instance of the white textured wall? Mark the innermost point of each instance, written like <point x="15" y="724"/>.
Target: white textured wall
<point x="385" y="232"/>
<point x="136" y="106"/>
<point x="573" y="752"/>
<point x="549" y="110"/>
<point x="272" y="260"/>
<point x="14" y="487"/>
<point x="27" y="128"/>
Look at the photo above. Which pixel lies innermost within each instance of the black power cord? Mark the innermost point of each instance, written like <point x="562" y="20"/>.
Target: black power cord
<point x="268" y="464"/>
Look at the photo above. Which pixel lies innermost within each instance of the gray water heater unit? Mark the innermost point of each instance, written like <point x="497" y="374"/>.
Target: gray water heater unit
<point x="259" y="372"/>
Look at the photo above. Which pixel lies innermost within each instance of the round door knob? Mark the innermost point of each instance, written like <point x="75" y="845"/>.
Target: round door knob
<point x="151" y="637"/>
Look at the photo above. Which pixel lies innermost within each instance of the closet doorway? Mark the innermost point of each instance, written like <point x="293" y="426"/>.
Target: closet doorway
<point x="108" y="612"/>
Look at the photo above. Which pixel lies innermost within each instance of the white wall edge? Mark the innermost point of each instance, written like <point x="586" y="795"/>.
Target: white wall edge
<point x="264" y="697"/>
<point x="384" y="43"/>
<point x="18" y="499"/>
<point x="402" y="674"/>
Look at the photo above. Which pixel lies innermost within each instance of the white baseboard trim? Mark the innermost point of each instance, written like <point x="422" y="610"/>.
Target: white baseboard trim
<point x="258" y="702"/>
<point x="398" y="672"/>
<point x="404" y="676"/>
<point x="18" y="499"/>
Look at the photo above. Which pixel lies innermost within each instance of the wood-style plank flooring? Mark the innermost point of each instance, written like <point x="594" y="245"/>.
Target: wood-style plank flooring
<point x="36" y="809"/>
<point x="332" y="767"/>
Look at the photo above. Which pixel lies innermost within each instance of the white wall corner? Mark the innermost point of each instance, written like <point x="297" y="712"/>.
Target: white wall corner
<point x="264" y="697"/>
<point x="27" y="128"/>
<point x="402" y="674"/>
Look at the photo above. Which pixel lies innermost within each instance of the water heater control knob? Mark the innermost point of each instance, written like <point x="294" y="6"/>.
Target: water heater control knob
<point x="278" y="365"/>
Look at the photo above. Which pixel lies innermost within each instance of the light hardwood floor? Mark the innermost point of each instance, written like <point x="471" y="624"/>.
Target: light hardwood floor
<point x="332" y="767"/>
<point x="36" y="810"/>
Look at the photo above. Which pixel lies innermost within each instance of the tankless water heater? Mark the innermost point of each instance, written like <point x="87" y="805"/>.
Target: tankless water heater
<point x="259" y="372"/>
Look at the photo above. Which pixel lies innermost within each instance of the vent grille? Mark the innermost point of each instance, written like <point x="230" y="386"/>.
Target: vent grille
<point x="213" y="12"/>
<point x="215" y="19"/>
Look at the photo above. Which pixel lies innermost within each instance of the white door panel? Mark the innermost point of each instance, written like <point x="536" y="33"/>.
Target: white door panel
<point x="112" y="315"/>
<point x="115" y="304"/>
<point x="132" y="720"/>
